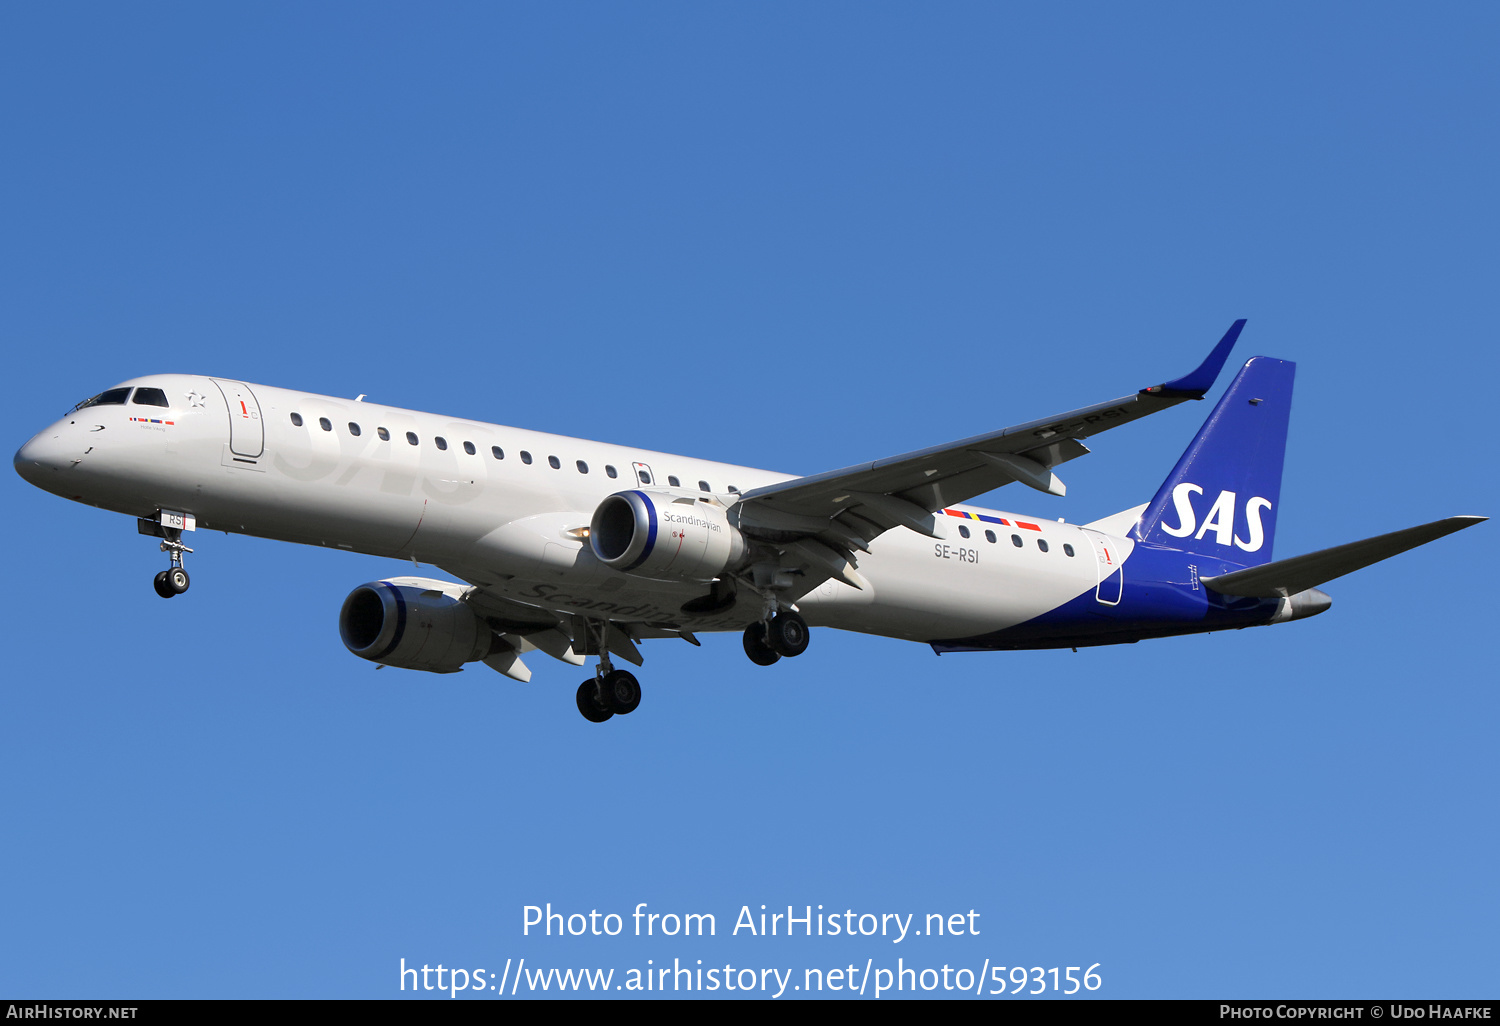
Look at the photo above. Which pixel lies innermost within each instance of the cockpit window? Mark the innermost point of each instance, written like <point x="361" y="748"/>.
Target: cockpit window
<point x="113" y="397"/>
<point x="150" y="397"/>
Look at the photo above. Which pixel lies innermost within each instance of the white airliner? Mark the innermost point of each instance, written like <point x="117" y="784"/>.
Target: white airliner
<point x="574" y="548"/>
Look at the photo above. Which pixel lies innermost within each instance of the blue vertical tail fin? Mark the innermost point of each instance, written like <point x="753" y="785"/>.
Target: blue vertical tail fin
<point x="1221" y="498"/>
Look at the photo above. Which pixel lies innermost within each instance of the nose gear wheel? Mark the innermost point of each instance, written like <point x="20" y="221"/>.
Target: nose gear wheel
<point x="174" y="580"/>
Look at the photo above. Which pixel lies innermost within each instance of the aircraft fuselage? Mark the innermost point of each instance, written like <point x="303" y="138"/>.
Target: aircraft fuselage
<point x="507" y="509"/>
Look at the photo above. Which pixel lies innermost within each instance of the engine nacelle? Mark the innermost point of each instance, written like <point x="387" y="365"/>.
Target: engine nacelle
<point x="665" y="536"/>
<point x="414" y="624"/>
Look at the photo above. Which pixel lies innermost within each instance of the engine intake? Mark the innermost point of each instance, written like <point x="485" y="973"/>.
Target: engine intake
<point x="414" y="624"/>
<point x="664" y="536"/>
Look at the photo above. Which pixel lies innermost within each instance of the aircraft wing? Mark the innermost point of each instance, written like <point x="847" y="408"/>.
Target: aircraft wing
<point x="847" y="508"/>
<point x="526" y="629"/>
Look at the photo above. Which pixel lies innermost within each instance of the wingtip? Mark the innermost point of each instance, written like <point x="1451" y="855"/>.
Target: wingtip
<point x="1194" y="385"/>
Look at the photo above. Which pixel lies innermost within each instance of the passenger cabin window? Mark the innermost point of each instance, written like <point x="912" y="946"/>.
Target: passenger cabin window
<point x="989" y="536"/>
<point x="296" y="420"/>
<point x="1068" y="549"/>
<point x="150" y="397"/>
<point x="411" y="438"/>
<point x="583" y="468"/>
<point x="734" y="490"/>
<point x="325" y="424"/>
<point x="112" y="397"/>
<point x="703" y="486"/>
<point x="441" y="442"/>
<point x="672" y="480"/>
<point x="963" y="532"/>
<point x="1015" y="540"/>
<point x="497" y="452"/>
<point x="610" y="471"/>
<point x="645" y="477"/>
<point x="354" y="429"/>
<point x="385" y="436"/>
<point x="1041" y="543"/>
<point x="469" y="448"/>
<point x="526" y="457"/>
<point x="554" y="462"/>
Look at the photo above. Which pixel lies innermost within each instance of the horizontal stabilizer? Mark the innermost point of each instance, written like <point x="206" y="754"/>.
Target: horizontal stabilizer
<point x="1287" y="577"/>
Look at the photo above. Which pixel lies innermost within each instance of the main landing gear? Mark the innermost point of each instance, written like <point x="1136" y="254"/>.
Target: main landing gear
<point x="174" y="580"/>
<point x="607" y="694"/>
<point x="609" y="691"/>
<point x="785" y="634"/>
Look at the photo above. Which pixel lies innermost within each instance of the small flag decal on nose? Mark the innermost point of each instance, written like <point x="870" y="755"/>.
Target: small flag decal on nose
<point x="144" y="420"/>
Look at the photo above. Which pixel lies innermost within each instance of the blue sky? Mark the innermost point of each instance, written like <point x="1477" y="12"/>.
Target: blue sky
<point x="795" y="237"/>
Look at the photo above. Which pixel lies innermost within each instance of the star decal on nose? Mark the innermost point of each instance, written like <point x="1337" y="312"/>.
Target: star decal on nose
<point x="195" y="400"/>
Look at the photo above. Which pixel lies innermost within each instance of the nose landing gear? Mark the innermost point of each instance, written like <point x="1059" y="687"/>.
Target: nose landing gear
<point x="174" y="579"/>
<point x="171" y="582"/>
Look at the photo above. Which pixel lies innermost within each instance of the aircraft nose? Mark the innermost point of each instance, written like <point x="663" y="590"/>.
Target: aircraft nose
<point x="40" y="457"/>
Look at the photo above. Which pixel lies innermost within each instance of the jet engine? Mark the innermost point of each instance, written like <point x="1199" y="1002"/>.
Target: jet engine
<point x="664" y="536"/>
<point x="414" y="624"/>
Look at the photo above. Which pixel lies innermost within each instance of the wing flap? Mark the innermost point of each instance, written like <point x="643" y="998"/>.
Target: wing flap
<point x="508" y="662"/>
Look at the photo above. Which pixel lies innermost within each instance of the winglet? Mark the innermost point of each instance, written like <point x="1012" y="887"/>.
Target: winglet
<point x="1194" y="385"/>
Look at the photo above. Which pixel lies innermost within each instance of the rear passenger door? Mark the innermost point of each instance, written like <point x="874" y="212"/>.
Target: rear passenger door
<point x="1111" y="572"/>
